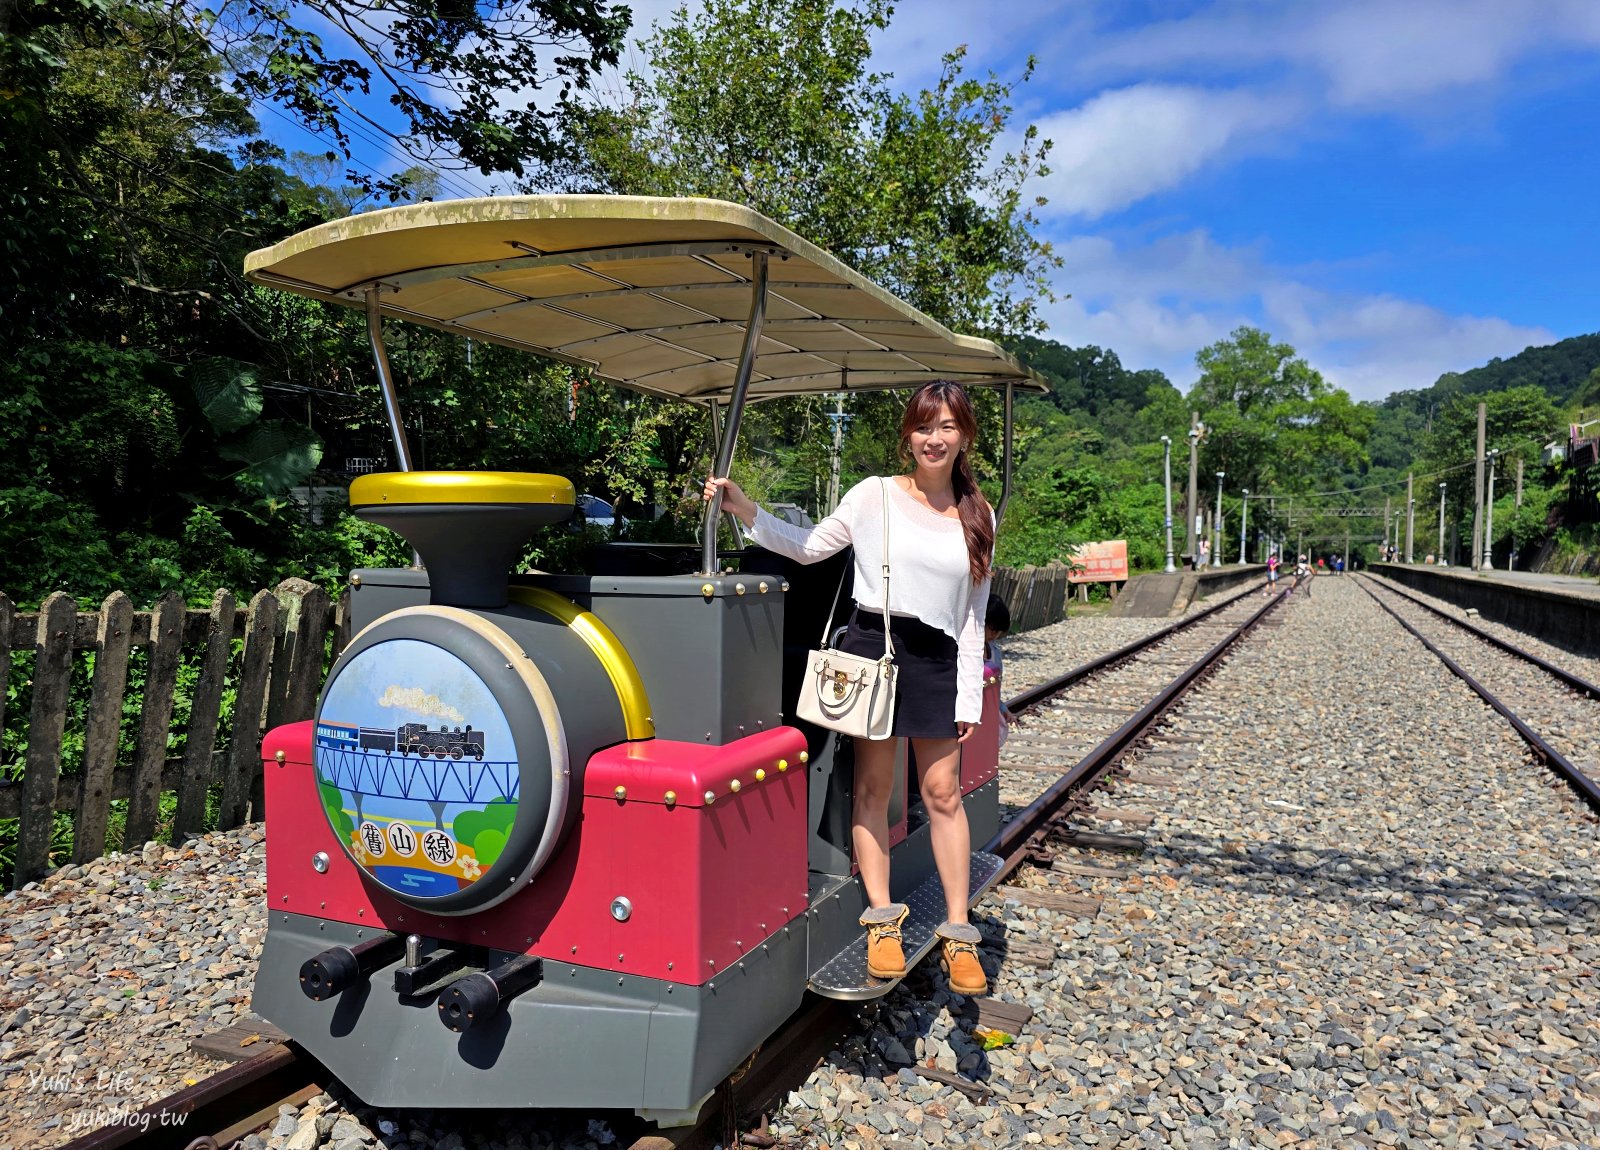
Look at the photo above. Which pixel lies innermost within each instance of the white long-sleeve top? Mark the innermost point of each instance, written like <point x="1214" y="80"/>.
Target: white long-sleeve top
<point x="929" y="575"/>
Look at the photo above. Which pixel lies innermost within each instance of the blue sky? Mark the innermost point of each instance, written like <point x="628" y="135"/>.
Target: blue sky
<point x="1396" y="187"/>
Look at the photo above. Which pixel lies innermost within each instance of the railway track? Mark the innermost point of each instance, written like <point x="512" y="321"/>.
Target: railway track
<point x="1133" y="687"/>
<point x="1196" y="643"/>
<point x="1557" y="712"/>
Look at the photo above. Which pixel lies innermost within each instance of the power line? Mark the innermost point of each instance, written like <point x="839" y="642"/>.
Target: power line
<point x="355" y="127"/>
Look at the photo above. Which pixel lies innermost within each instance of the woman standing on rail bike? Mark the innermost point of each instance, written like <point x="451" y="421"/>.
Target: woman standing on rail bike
<point x="943" y="547"/>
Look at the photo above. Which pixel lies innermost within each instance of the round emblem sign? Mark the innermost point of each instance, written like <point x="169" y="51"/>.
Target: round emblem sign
<point x="417" y="768"/>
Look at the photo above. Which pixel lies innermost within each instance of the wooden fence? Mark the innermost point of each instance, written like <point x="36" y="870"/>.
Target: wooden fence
<point x="272" y="654"/>
<point x="1036" y="596"/>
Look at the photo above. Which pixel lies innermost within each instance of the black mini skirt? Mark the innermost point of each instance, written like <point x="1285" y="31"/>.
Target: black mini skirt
<point x="925" y="671"/>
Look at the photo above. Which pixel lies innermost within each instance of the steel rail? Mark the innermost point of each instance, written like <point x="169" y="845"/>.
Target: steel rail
<point x="242" y="1097"/>
<point x="1586" y="787"/>
<point x="1035" y="695"/>
<point x="215" y="1111"/>
<point x="1576" y="682"/>
<point x="800" y="1056"/>
<point x="1008" y="840"/>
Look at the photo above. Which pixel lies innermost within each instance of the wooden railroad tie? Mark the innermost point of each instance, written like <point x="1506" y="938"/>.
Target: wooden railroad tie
<point x="1037" y="768"/>
<point x="1147" y="779"/>
<point x="1039" y="740"/>
<point x="1081" y="905"/>
<point x="1007" y="1017"/>
<point x="1097" y="841"/>
<point x="242" y="1040"/>
<point x="1166" y="762"/>
<point x="1062" y="866"/>
<point x="1039" y="955"/>
<point x="1118" y="815"/>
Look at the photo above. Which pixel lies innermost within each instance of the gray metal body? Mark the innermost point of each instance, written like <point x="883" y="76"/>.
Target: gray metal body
<point x="709" y="662"/>
<point x="713" y="664"/>
<point x="581" y="1038"/>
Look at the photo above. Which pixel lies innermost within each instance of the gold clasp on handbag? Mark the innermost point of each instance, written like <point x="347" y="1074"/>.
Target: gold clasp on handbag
<point x="841" y="683"/>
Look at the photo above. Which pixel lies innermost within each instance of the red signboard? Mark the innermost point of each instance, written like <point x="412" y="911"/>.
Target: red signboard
<point x="1100" y="562"/>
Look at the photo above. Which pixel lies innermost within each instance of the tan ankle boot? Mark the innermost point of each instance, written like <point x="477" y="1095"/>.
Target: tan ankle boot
<point x="886" y="958"/>
<point x="958" y="954"/>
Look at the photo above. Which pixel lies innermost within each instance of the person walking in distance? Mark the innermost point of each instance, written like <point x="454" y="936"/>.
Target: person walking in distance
<point x="1302" y="574"/>
<point x="942" y="542"/>
<point x="1272" y="574"/>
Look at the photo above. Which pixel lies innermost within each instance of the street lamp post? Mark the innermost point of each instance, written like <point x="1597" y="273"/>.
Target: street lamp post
<point x="1191" y="509"/>
<point x="1488" y="529"/>
<point x="1166" y="472"/>
<point x="1244" y="516"/>
<point x="1216" y="526"/>
<point x="1439" y="558"/>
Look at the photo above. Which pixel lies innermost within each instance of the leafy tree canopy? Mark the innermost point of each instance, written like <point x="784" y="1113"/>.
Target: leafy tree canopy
<point x="464" y="76"/>
<point x="771" y="103"/>
<point x="1272" y="422"/>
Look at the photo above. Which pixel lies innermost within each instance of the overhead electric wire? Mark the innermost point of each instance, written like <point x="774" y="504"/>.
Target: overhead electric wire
<point x="354" y="127"/>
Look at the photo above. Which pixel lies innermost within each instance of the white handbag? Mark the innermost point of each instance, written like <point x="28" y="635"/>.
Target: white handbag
<point x="848" y="693"/>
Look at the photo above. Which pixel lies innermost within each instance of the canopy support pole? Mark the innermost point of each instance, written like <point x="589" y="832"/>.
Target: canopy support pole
<point x="741" y="384"/>
<point x="391" y="402"/>
<point x="716" y="438"/>
<point x="1005" y="456"/>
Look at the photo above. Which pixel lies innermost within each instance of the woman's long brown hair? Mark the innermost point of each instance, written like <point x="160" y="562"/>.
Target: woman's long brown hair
<point x="977" y="521"/>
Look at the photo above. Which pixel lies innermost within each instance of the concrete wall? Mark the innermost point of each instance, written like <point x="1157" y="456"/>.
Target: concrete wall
<point x="1571" y="622"/>
<point x="1216" y="580"/>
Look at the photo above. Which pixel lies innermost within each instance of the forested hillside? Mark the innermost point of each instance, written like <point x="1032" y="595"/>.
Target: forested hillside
<point x="1531" y="399"/>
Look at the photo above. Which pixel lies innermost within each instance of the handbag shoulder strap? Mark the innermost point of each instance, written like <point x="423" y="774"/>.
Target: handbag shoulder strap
<point x="827" y="628"/>
<point x="888" y="650"/>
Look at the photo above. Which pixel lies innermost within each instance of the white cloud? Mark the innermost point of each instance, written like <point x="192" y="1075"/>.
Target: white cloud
<point x="1372" y="345"/>
<point x="417" y="700"/>
<point x="1157" y="303"/>
<point x="1130" y="143"/>
<point x="1364" y="53"/>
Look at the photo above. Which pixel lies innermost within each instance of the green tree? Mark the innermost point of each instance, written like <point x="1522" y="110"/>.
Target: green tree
<point x="464" y="78"/>
<point x="771" y="103"/>
<point x="1272" y="422"/>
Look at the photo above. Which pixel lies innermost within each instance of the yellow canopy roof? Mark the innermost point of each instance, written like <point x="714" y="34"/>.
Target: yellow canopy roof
<point x="650" y="293"/>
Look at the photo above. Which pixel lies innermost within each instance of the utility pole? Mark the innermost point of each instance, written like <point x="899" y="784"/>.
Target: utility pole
<point x="1411" y="517"/>
<point x="1488" y="530"/>
<point x="1513" y="564"/>
<point x="1244" y="517"/>
<point x="1440" y="559"/>
<point x="1386" y="523"/>
<point x="1216" y="526"/>
<point x="1166" y="471"/>
<point x="1477" y="491"/>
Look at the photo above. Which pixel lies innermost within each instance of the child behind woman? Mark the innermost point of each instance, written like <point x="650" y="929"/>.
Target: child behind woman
<point x="996" y="622"/>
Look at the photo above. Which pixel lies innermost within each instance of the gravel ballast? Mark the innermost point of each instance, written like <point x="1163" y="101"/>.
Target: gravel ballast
<point x="1362" y="918"/>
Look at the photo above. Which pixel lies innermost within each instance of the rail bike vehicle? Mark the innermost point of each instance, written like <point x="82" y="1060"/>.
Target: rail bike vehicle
<point x="557" y="840"/>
